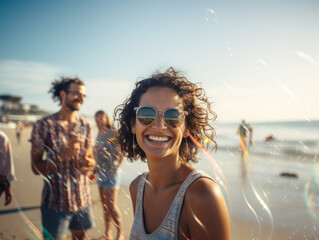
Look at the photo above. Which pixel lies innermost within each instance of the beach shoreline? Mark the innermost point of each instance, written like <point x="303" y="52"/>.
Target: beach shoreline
<point x="22" y="218"/>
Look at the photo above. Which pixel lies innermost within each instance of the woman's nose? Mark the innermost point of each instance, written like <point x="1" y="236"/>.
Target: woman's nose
<point x="159" y="122"/>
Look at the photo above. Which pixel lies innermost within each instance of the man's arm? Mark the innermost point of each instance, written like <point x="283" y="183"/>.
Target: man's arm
<point x="38" y="139"/>
<point x="38" y="165"/>
<point x="44" y="167"/>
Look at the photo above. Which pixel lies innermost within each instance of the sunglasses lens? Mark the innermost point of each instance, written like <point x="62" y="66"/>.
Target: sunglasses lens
<point x="173" y="117"/>
<point x="146" y="115"/>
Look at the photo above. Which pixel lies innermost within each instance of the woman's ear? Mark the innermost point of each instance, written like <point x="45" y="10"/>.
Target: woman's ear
<point x="62" y="95"/>
<point x="133" y="128"/>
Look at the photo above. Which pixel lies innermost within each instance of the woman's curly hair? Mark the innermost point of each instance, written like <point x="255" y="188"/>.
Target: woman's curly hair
<point x="62" y="84"/>
<point x="195" y="103"/>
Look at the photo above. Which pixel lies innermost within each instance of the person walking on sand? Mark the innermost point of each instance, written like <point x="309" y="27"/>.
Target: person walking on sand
<point x="6" y="168"/>
<point x="157" y="124"/>
<point x="109" y="159"/>
<point x="19" y="130"/>
<point x="242" y="131"/>
<point x="62" y="152"/>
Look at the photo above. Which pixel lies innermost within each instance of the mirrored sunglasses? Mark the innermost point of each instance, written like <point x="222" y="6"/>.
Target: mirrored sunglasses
<point x="172" y="116"/>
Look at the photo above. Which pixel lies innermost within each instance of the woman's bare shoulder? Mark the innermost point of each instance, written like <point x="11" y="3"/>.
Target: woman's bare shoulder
<point x="203" y="187"/>
<point x="206" y="210"/>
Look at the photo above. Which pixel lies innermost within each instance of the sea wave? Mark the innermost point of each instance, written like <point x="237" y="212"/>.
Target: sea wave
<point x="299" y="149"/>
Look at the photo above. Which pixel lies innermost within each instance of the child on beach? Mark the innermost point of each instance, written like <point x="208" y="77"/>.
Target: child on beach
<point x="109" y="160"/>
<point x="173" y="200"/>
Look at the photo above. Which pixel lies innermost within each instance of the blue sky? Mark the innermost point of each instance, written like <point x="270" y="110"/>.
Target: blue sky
<point x="257" y="60"/>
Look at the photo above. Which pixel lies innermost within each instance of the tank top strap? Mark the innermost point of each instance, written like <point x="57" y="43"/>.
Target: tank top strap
<point x="138" y="225"/>
<point x="172" y="219"/>
<point x="191" y="178"/>
<point x="140" y="189"/>
<point x="179" y="198"/>
<point x="140" y="193"/>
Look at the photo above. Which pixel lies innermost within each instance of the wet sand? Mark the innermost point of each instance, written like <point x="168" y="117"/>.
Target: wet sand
<point x="22" y="218"/>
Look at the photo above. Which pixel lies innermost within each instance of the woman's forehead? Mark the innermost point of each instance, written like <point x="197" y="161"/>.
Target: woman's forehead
<point x="160" y="93"/>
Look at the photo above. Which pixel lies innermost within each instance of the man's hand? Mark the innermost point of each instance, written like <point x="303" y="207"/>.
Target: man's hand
<point x="87" y="164"/>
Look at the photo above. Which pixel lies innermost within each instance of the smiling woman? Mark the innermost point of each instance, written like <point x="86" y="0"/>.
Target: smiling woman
<point x="156" y="124"/>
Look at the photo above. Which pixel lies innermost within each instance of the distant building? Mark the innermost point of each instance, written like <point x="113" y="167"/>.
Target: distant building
<point x="34" y="109"/>
<point x="11" y="109"/>
<point x="10" y="103"/>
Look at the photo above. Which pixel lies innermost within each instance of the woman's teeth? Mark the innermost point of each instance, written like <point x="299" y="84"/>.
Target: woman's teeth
<point x="158" y="139"/>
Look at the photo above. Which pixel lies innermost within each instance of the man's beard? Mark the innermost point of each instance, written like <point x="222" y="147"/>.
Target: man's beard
<point x="70" y="106"/>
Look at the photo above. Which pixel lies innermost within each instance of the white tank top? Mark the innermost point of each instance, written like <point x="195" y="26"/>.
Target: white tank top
<point x="168" y="229"/>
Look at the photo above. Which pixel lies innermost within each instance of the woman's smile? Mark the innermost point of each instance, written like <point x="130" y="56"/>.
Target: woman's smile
<point x="154" y="138"/>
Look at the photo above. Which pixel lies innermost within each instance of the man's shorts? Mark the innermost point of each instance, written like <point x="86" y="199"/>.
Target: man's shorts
<point x="55" y="224"/>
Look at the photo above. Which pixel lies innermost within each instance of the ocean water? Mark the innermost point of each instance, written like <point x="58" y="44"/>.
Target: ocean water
<point x="292" y="139"/>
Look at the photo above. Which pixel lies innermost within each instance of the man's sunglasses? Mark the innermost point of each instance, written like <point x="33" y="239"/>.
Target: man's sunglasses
<point x="172" y="116"/>
<point x="77" y="94"/>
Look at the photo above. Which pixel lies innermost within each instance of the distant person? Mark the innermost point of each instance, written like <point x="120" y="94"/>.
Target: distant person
<point x="158" y="124"/>
<point x="109" y="159"/>
<point x="19" y="130"/>
<point x="62" y="151"/>
<point x="6" y="168"/>
<point x="270" y="138"/>
<point x="242" y="131"/>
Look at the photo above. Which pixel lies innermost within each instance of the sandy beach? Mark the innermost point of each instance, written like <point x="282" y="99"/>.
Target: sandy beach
<point x="22" y="218"/>
<point x="250" y="219"/>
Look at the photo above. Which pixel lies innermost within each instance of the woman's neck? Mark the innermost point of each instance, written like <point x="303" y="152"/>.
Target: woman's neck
<point x="164" y="173"/>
